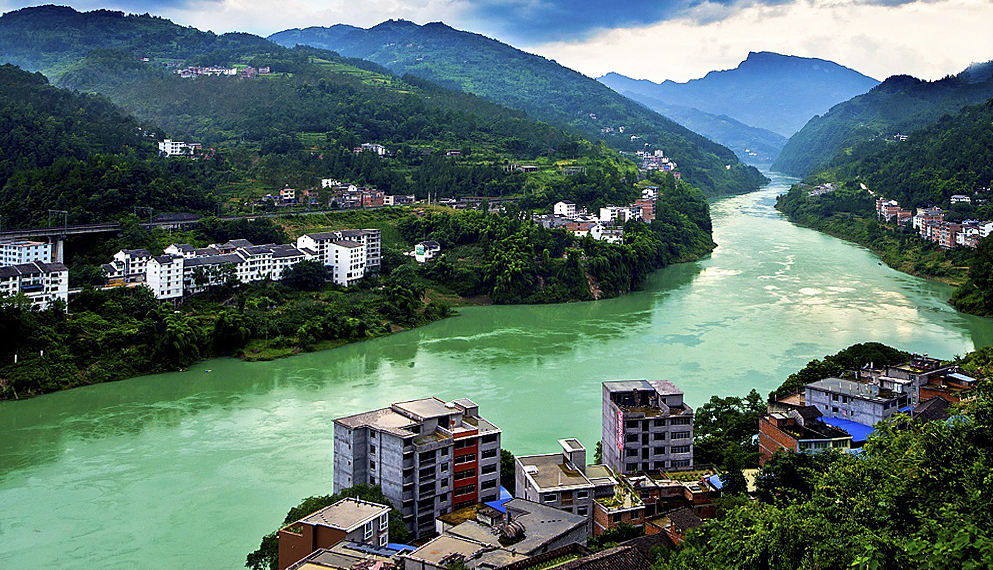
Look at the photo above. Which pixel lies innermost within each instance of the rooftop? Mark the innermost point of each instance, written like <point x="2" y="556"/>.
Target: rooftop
<point x="438" y="551"/>
<point x="347" y="514"/>
<point x="541" y="525"/>
<point x="663" y="387"/>
<point x="851" y="388"/>
<point x="384" y="419"/>
<point x="549" y="472"/>
<point x="425" y="408"/>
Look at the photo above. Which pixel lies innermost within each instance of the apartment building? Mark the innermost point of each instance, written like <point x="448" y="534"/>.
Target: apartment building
<point x="353" y="520"/>
<point x="19" y="251"/>
<point x="42" y="283"/>
<point x="646" y="426"/>
<point x="429" y="456"/>
<point x="127" y="266"/>
<point x="859" y="402"/>
<point x="327" y="245"/>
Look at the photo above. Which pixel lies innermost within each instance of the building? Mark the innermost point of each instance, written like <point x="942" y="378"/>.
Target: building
<point x="398" y="199"/>
<point x="799" y="431"/>
<point x="354" y="520"/>
<point x="564" y="208"/>
<point x="429" y="457"/>
<point x="646" y="426"/>
<point x="19" y="251"/>
<point x="426" y="250"/>
<point x="860" y="402"/>
<point x="169" y="147"/>
<point x="349" y="556"/>
<point x="331" y="246"/>
<point x="165" y="276"/>
<point x="127" y="266"/>
<point x="41" y="283"/>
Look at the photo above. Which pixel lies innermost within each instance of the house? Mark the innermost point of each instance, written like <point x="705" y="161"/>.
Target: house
<point x="426" y="250"/>
<point x="353" y="520"/>
<point x="860" y="402"/>
<point x="169" y="147"/>
<point x="40" y="282"/>
<point x="960" y="199"/>
<point x="429" y="456"/>
<point x="646" y="426"/>
<point x="564" y="208"/>
<point x="127" y="266"/>
<point x="349" y="556"/>
<point x="288" y="195"/>
<point x="799" y="431"/>
<point x="398" y="199"/>
<point x="675" y="524"/>
<point x="609" y="235"/>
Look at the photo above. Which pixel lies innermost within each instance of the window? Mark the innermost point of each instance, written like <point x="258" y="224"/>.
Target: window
<point x="384" y="521"/>
<point x="658" y="423"/>
<point x="465" y="490"/>
<point x="631" y="438"/>
<point x="583" y="511"/>
<point x="681" y="463"/>
<point x="680" y="449"/>
<point x="680" y="421"/>
<point x="368" y="530"/>
<point x="658" y="436"/>
<point x="489" y="454"/>
<point x="658" y="450"/>
<point x="489" y="438"/>
<point x="630" y="453"/>
<point x="467" y="474"/>
<point x="632" y="467"/>
<point x="631" y="424"/>
<point x="382" y="541"/>
<point x="488" y="484"/>
<point x="549" y="498"/>
<point x="469" y="458"/>
<point x="372" y="465"/>
<point x="487" y="469"/>
<point x="582" y="494"/>
<point x="681" y="435"/>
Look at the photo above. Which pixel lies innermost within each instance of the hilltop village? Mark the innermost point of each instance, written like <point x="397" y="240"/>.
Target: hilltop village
<point x="438" y="465"/>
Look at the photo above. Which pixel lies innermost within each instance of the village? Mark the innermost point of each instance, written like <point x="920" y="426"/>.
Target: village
<point x="438" y="464"/>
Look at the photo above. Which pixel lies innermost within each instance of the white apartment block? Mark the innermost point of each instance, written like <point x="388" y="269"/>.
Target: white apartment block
<point x="348" y="265"/>
<point x="42" y="283"/>
<point x="165" y="277"/>
<point x="170" y="147"/>
<point x="564" y="208"/>
<point x="18" y="251"/>
<point x="321" y="244"/>
<point x="128" y="266"/>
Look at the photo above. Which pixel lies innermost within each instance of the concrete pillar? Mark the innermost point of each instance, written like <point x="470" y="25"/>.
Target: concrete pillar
<point x="58" y="248"/>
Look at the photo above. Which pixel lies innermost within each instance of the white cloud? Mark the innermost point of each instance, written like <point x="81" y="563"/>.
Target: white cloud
<point x="925" y="39"/>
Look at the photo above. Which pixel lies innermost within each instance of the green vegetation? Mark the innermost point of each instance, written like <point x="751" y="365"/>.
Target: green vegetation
<point x="724" y="427"/>
<point x="913" y="498"/>
<point x="508" y="479"/>
<point x="614" y="536"/>
<point x="266" y="557"/>
<point x="543" y="89"/>
<point x="850" y="213"/>
<point x="899" y="105"/>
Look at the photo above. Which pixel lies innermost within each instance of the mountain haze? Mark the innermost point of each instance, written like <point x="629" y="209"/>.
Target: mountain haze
<point x="544" y="89"/>
<point x="767" y="90"/>
<point x="899" y="105"/>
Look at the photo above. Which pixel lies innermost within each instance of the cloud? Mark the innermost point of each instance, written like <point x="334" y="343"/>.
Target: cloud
<point x="924" y="39"/>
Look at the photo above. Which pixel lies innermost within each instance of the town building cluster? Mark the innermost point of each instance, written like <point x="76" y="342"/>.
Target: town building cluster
<point x="438" y="464"/>
<point x="195" y="71"/>
<point x="607" y="224"/>
<point x="838" y="413"/>
<point x="184" y="270"/>
<point x="930" y="223"/>
<point x="656" y="161"/>
<point x="27" y="268"/>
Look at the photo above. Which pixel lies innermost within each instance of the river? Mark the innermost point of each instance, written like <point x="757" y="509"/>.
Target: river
<point x="189" y="470"/>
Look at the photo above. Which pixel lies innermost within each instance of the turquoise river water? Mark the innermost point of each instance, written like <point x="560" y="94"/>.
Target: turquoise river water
<point x="189" y="470"/>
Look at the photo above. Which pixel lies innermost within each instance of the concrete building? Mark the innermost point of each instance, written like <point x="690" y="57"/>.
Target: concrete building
<point x="860" y="402"/>
<point x="646" y="426"/>
<point x="19" y="251"/>
<point x="165" y="276"/>
<point x="426" y="250"/>
<point x="41" y="283"/>
<point x="799" y="430"/>
<point x="128" y="266"/>
<point x="564" y="208"/>
<point x="169" y="147"/>
<point x="429" y="457"/>
<point x="354" y="520"/>
<point x="327" y="246"/>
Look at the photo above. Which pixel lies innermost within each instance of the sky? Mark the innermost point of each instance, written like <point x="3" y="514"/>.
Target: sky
<point x="644" y="39"/>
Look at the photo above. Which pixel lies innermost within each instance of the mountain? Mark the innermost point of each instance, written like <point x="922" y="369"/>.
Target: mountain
<point x="542" y="88"/>
<point x="899" y="105"/>
<point x="49" y="38"/>
<point x="768" y="90"/>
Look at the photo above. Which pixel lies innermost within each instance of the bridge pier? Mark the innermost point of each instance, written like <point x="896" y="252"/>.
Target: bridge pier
<point x="58" y="248"/>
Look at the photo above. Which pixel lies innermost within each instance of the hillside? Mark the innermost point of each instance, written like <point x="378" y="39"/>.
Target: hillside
<point x="82" y="154"/>
<point x="899" y="105"/>
<point x="50" y="38"/>
<point x="767" y="90"/>
<point x="542" y="88"/>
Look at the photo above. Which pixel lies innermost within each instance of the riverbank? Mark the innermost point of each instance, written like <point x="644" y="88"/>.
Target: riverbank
<point x="850" y="215"/>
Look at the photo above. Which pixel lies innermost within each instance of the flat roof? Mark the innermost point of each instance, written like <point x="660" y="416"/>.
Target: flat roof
<point x="384" y="419"/>
<point x="552" y="473"/>
<point x="541" y="525"/>
<point x="438" y="549"/>
<point x="347" y="514"/>
<point x="663" y="387"/>
<point x="425" y="408"/>
<point x="851" y="388"/>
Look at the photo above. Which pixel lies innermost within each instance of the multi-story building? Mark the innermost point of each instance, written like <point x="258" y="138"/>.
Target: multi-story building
<point x="559" y="480"/>
<point x="646" y="426"/>
<point x="799" y="430"/>
<point x="169" y="147"/>
<point x="128" y="266"/>
<point x="165" y="277"/>
<point x="353" y="520"/>
<point x="564" y="208"/>
<point x="19" y="251"/>
<point x="42" y="283"/>
<point x="323" y="244"/>
<point x="428" y="456"/>
<point x="860" y="402"/>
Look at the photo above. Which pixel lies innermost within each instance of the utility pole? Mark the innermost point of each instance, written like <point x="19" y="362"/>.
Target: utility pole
<point x="146" y="208"/>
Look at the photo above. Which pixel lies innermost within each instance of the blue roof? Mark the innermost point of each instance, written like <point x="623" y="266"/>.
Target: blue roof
<point x="859" y="432"/>
<point x="715" y="482"/>
<point x="504" y="497"/>
<point x="906" y="409"/>
<point x="400" y="547"/>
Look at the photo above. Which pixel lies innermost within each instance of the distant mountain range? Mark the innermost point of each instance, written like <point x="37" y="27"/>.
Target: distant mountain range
<point x="898" y="106"/>
<point x="544" y="89"/>
<point x="770" y="95"/>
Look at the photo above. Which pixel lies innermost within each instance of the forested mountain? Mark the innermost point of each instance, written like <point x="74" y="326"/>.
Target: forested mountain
<point x="80" y="153"/>
<point x="899" y="105"/>
<point x="767" y="90"/>
<point x="49" y="38"/>
<point x="540" y="87"/>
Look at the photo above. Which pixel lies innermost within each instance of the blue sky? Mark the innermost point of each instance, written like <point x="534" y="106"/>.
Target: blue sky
<point x="651" y="39"/>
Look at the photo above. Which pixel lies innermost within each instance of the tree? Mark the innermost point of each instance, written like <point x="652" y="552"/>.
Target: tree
<point x="306" y="275"/>
<point x="508" y="478"/>
<point x="732" y="479"/>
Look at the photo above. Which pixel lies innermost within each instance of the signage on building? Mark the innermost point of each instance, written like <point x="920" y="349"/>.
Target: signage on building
<point x="620" y="429"/>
